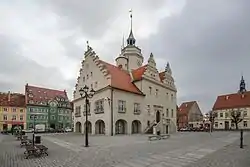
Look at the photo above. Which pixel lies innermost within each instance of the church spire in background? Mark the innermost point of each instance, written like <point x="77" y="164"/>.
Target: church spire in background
<point x="242" y="85"/>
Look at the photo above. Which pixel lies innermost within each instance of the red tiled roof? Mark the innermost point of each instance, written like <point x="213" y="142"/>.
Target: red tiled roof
<point x="137" y="73"/>
<point x="185" y="107"/>
<point x="15" y="100"/>
<point x="120" y="79"/>
<point x="43" y="94"/>
<point x="235" y="100"/>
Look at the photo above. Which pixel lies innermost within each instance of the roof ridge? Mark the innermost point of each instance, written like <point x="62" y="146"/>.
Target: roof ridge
<point x="46" y="88"/>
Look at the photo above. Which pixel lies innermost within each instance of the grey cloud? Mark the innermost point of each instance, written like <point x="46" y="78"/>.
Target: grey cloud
<point x="208" y="47"/>
<point x="16" y="70"/>
<point x="91" y="16"/>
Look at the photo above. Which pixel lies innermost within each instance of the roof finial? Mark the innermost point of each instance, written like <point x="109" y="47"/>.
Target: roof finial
<point x="131" y="19"/>
<point x="87" y="45"/>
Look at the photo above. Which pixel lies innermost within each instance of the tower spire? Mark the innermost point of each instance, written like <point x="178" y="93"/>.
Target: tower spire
<point x="242" y="85"/>
<point x="131" y="39"/>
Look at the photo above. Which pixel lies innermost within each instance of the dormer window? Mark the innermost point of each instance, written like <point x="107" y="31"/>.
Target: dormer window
<point x="227" y="97"/>
<point x="30" y="95"/>
<point x="186" y="105"/>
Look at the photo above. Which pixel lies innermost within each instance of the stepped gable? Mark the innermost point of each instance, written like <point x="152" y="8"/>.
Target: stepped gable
<point x="12" y="100"/>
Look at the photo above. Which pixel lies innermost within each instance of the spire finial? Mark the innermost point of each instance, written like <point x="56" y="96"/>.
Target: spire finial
<point x="87" y="45"/>
<point x="131" y="39"/>
<point x="131" y="19"/>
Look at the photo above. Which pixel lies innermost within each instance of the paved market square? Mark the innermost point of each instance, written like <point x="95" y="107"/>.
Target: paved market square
<point x="67" y="150"/>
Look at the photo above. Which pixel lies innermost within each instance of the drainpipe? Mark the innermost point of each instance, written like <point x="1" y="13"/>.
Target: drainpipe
<point x="112" y="115"/>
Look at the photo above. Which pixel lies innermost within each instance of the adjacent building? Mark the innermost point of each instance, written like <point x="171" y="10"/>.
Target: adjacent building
<point x="131" y="96"/>
<point x="225" y="104"/>
<point x="189" y="115"/>
<point x="51" y="108"/>
<point x="12" y="111"/>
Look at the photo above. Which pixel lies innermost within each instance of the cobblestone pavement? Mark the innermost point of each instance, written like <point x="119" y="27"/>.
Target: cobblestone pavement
<point x="179" y="150"/>
<point x="229" y="156"/>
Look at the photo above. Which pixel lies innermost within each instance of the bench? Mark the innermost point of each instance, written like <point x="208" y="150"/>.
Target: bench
<point x="37" y="151"/>
<point x="154" y="137"/>
<point x="158" y="137"/>
<point x="25" y="142"/>
<point x="166" y="136"/>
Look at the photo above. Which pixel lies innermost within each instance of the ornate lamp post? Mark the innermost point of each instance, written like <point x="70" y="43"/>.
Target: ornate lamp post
<point x="34" y="128"/>
<point x="85" y="93"/>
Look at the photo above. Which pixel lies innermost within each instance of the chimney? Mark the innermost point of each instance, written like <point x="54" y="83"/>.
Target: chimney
<point x="8" y="95"/>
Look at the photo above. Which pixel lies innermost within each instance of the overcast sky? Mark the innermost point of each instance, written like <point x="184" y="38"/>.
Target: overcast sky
<point x="207" y="42"/>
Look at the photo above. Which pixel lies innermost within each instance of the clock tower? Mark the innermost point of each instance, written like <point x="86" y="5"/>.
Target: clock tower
<point x="131" y="57"/>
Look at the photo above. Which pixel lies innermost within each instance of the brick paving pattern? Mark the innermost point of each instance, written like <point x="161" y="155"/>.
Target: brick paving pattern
<point x="179" y="150"/>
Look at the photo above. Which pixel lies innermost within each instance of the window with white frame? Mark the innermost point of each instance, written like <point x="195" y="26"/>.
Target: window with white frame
<point x="150" y="90"/>
<point x="221" y="114"/>
<point x="21" y="117"/>
<point x="5" y="109"/>
<point x="13" y="109"/>
<point x="156" y="92"/>
<point x="245" y="113"/>
<point x="245" y="123"/>
<point x="226" y="115"/>
<point x="167" y="113"/>
<point x="121" y="106"/>
<point x="99" y="106"/>
<point x="216" y="124"/>
<point x="172" y="113"/>
<point x="13" y="117"/>
<point x="78" y="111"/>
<point x="137" y="108"/>
<point x="148" y="108"/>
<point x="5" y="117"/>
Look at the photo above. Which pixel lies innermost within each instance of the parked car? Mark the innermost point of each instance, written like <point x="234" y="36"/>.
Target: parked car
<point x="68" y="130"/>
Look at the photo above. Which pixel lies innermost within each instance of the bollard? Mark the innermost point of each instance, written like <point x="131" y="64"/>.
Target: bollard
<point x="241" y="138"/>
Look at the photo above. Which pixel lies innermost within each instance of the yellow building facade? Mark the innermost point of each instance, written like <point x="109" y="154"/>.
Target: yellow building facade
<point x="12" y="111"/>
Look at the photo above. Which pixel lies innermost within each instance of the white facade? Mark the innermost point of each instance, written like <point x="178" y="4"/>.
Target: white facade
<point x="223" y="119"/>
<point x="123" y="105"/>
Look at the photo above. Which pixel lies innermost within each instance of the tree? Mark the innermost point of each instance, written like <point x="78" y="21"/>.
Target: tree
<point x="212" y="115"/>
<point x="236" y="117"/>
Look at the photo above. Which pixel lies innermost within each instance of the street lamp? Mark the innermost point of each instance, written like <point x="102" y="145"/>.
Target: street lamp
<point x="85" y="93"/>
<point x="34" y="127"/>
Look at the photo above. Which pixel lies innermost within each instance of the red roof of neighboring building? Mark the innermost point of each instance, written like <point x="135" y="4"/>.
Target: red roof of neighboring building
<point x="12" y="100"/>
<point x="185" y="107"/>
<point x="137" y="73"/>
<point x="120" y="79"/>
<point x="235" y="100"/>
<point x="43" y="94"/>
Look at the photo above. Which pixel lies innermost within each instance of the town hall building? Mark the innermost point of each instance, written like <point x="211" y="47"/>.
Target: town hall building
<point x="130" y="97"/>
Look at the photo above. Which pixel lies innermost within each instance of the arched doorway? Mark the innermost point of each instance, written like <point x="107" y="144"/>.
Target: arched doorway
<point x="78" y="127"/>
<point x="158" y="116"/>
<point x="99" y="127"/>
<point x="89" y="127"/>
<point x="120" y="127"/>
<point x="136" y="127"/>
